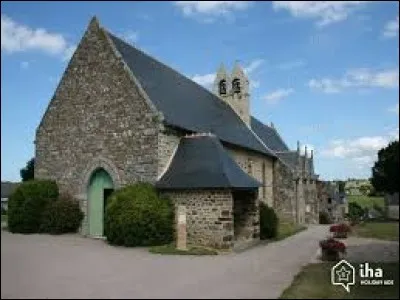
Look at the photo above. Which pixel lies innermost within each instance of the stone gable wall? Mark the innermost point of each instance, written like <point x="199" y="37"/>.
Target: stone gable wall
<point x="252" y="164"/>
<point x="97" y="118"/>
<point x="168" y="141"/>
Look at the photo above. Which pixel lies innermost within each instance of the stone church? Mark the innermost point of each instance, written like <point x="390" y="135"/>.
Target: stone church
<point x="119" y="116"/>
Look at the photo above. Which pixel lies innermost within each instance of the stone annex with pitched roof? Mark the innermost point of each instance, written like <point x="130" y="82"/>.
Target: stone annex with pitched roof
<point x="119" y="116"/>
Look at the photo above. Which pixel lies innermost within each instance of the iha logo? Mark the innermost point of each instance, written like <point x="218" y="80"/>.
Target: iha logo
<point x="344" y="274"/>
<point x="372" y="276"/>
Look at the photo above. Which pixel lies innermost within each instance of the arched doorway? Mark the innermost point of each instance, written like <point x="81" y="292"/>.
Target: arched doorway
<point x="99" y="188"/>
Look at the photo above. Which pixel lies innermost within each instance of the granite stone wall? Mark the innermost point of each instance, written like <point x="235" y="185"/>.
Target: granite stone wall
<point x="246" y="216"/>
<point x="209" y="216"/>
<point x="259" y="167"/>
<point x="168" y="141"/>
<point x="97" y="117"/>
<point x="284" y="192"/>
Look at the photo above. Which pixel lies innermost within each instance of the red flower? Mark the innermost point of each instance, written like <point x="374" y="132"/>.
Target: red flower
<point x="339" y="228"/>
<point x="332" y="244"/>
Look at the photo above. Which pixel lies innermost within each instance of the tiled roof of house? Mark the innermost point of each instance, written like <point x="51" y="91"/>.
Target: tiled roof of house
<point x="184" y="103"/>
<point x="202" y="162"/>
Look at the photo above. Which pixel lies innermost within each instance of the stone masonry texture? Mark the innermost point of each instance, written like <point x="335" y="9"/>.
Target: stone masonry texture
<point x="209" y="216"/>
<point x="97" y="117"/>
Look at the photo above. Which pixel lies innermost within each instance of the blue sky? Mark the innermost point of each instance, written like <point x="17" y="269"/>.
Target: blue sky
<point x="325" y="73"/>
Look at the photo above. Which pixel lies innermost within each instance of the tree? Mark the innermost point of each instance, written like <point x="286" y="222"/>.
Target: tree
<point x="385" y="172"/>
<point x="27" y="173"/>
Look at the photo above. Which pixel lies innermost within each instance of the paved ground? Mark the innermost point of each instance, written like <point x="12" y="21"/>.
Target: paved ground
<point x="69" y="266"/>
<point x="372" y="250"/>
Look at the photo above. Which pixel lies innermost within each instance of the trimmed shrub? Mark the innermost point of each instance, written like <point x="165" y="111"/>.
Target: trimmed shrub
<point x="28" y="203"/>
<point x="268" y="222"/>
<point x="324" y="218"/>
<point x="62" y="216"/>
<point x="137" y="216"/>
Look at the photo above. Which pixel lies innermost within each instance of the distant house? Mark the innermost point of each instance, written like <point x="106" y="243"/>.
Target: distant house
<point x="332" y="201"/>
<point x="392" y="205"/>
<point x="6" y="189"/>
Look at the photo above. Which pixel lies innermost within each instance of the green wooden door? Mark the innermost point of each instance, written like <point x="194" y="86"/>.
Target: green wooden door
<point x="99" y="181"/>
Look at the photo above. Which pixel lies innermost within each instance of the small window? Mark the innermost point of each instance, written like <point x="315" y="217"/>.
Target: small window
<point x="236" y="85"/>
<point x="329" y="200"/>
<point x="222" y="87"/>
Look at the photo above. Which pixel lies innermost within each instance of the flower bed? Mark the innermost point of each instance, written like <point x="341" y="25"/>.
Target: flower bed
<point x="340" y="230"/>
<point x="332" y="250"/>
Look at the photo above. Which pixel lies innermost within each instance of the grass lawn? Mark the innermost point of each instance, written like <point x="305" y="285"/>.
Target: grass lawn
<point x="192" y="250"/>
<point x="314" y="282"/>
<point x="366" y="201"/>
<point x="287" y="229"/>
<point x="379" y="230"/>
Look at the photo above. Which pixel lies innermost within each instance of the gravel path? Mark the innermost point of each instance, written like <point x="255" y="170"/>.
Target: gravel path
<point x="69" y="266"/>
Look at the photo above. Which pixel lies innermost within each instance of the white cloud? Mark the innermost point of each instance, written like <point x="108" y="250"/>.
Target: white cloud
<point x="69" y="52"/>
<point x="210" y="9"/>
<point x="358" y="78"/>
<point x="131" y="36"/>
<point x="24" y="64"/>
<point x="17" y="37"/>
<point x="204" y="80"/>
<point x="254" y="65"/>
<point x="325" y="12"/>
<point x="254" y="84"/>
<point x="277" y="95"/>
<point x="394" y="109"/>
<point x="391" y="28"/>
<point x="309" y="148"/>
<point x="291" y="65"/>
<point x="362" y="149"/>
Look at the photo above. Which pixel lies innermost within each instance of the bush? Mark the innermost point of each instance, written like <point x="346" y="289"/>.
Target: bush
<point x="27" y="205"/>
<point x="137" y="216"/>
<point x="62" y="216"/>
<point x="268" y="222"/>
<point x="324" y="218"/>
<point x="342" y="227"/>
<point x="356" y="212"/>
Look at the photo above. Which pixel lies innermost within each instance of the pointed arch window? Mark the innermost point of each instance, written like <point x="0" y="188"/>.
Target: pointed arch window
<point x="236" y="85"/>
<point x="222" y="87"/>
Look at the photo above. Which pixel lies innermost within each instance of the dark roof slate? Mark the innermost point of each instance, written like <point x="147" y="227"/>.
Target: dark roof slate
<point x="268" y="135"/>
<point x="290" y="158"/>
<point x="202" y="162"/>
<point x="184" y="103"/>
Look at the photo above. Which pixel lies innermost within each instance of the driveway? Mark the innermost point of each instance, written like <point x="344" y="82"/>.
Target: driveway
<point x="70" y="266"/>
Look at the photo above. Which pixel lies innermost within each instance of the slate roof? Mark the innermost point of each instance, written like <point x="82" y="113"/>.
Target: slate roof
<point x="268" y="135"/>
<point x="7" y="188"/>
<point x="290" y="158"/>
<point x="202" y="162"/>
<point x="184" y="103"/>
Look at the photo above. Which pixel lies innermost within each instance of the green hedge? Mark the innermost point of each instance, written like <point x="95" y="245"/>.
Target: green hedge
<point x="268" y="222"/>
<point x="62" y="216"/>
<point x="137" y="216"/>
<point x="27" y="205"/>
<point x="324" y="218"/>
